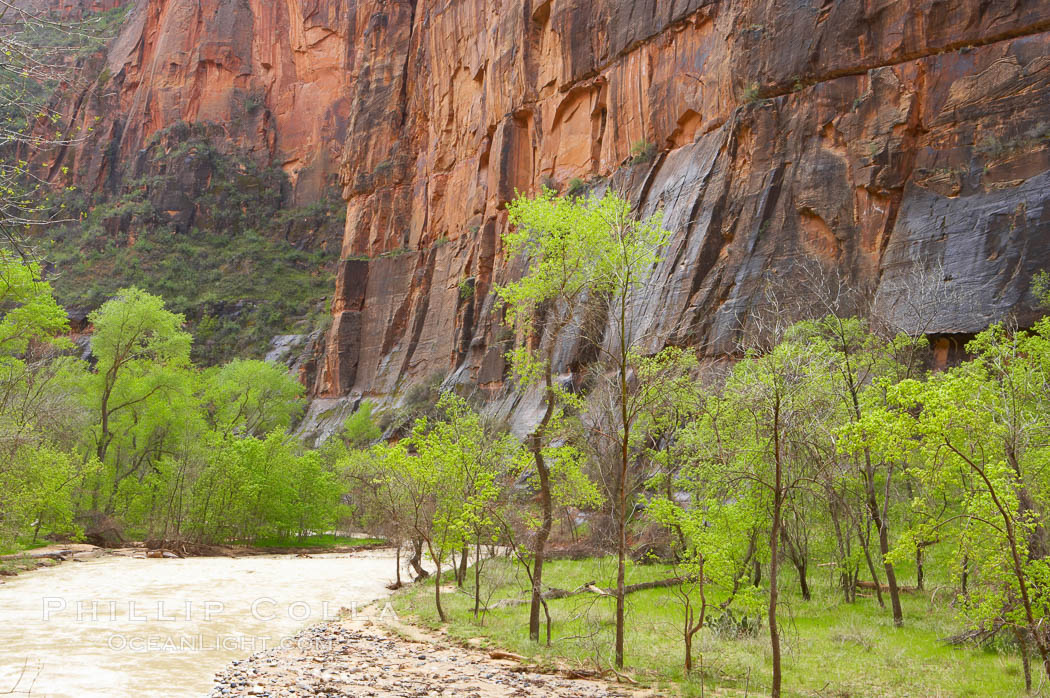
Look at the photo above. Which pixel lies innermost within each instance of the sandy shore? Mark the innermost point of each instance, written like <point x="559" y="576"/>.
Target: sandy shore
<point x="373" y="658"/>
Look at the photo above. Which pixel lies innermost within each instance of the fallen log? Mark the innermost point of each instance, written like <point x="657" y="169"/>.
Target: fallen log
<point x="590" y="588"/>
<point x="885" y="587"/>
<point x="51" y="554"/>
<point x="500" y="654"/>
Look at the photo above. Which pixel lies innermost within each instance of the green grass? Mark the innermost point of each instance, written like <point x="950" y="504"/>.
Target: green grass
<point x="14" y="567"/>
<point x="12" y="547"/>
<point x="319" y="541"/>
<point x="831" y="648"/>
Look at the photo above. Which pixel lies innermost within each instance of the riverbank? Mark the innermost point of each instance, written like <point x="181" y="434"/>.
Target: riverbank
<point x="369" y="656"/>
<point x="47" y="556"/>
<point x="14" y="564"/>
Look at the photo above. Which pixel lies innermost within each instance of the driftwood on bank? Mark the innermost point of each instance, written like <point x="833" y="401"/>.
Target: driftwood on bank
<point x="861" y="584"/>
<point x="500" y="654"/>
<point x="51" y="555"/>
<point x="590" y="588"/>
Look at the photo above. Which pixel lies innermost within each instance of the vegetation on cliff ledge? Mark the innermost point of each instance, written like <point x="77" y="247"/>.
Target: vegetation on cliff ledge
<point x="214" y="234"/>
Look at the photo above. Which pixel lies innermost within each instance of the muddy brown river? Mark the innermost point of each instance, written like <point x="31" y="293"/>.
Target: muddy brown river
<point x="116" y="626"/>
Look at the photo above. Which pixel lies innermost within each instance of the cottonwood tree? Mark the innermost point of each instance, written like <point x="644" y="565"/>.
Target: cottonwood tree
<point x="708" y="520"/>
<point x="861" y="363"/>
<point x="561" y="241"/>
<point x="867" y="354"/>
<point x="140" y="391"/>
<point x="388" y="499"/>
<point x="253" y="488"/>
<point x="580" y="250"/>
<point x="983" y="437"/>
<point x="447" y="475"/>
<point x="630" y="252"/>
<point x="623" y="418"/>
<point x="469" y="465"/>
<point x="37" y="475"/>
<point x="248" y="397"/>
<point x="773" y="408"/>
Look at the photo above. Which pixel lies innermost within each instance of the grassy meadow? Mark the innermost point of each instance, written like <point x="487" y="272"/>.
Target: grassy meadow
<point x="831" y="648"/>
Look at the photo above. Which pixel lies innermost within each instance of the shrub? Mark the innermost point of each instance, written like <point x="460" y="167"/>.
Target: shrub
<point x="642" y="151"/>
<point x="466" y="288"/>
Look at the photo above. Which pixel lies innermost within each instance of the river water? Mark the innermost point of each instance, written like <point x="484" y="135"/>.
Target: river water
<point x="117" y="626"/>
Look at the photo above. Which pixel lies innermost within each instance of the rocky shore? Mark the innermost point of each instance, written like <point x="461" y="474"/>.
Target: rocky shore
<point x="371" y="658"/>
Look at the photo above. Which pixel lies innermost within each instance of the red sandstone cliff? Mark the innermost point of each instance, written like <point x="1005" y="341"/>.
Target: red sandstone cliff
<point x="274" y="76"/>
<point x="875" y="138"/>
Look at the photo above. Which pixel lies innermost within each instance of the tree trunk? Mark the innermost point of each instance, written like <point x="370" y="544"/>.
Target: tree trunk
<point x="884" y="544"/>
<point x="800" y="567"/>
<point x="798" y="560"/>
<point x="871" y="568"/>
<point x="774" y="554"/>
<point x="397" y="559"/>
<point x="461" y="572"/>
<point x="688" y="637"/>
<point x="546" y="504"/>
<point x="1022" y="647"/>
<point x="845" y="577"/>
<point x="437" y="589"/>
<point x="621" y="508"/>
<point x="417" y="558"/>
<point x="540" y="542"/>
<point x="477" y="577"/>
<point x="621" y="570"/>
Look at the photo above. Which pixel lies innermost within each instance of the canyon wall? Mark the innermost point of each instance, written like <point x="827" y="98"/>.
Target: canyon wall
<point x="273" y="78"/>
<point x="899" y="146"/>
<point x="902" y="146"/>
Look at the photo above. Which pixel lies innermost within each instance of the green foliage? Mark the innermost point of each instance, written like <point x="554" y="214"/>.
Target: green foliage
<point x="36" y="486"/>
<point x="360" y="429"/>
<point x="257" y="488"/>
<point x="573" y="247"/>
<point x="466" y="289"/>
<point x="37" y="474"/>
<point x="251" y="397"/>
<point x="142" y="442"/>
<point x="29" y="311"/>
<point x="1041" y="289"/>
<point x="237" y="260"/>
<point x="135" y="330"/>
<point x="975" y="435"/>
<point x="642" y="151"/>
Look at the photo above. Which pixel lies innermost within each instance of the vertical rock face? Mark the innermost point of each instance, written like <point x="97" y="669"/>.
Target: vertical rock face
<point x="882" y="142"/>
<point x="274" y="75"/>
